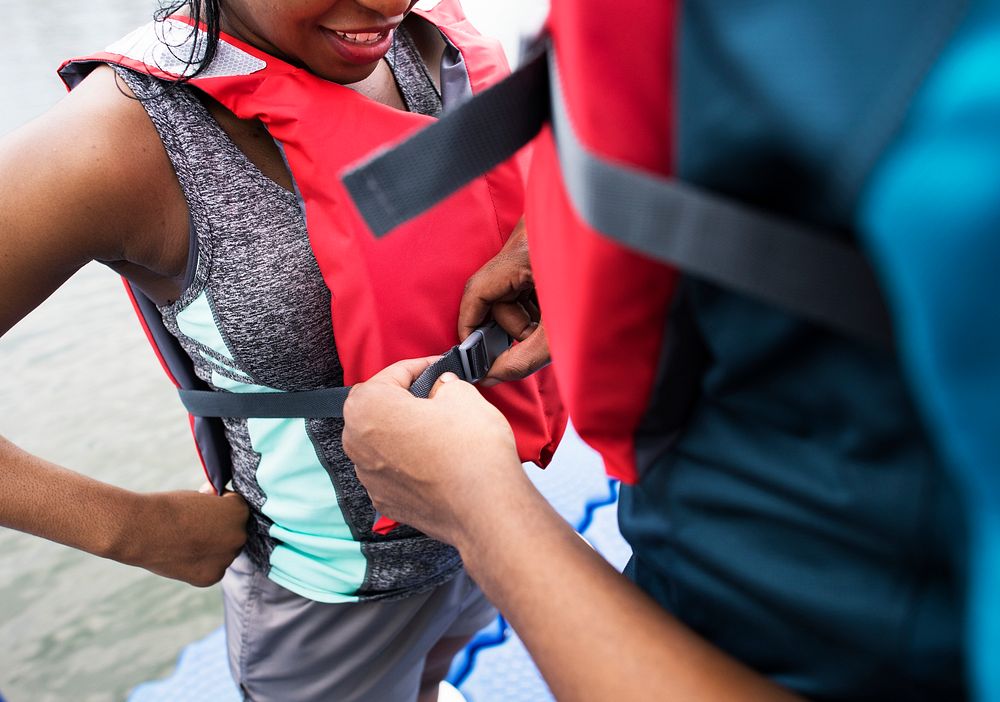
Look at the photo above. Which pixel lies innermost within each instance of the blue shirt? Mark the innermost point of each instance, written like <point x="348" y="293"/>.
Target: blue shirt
<point x="804" y="519"/>
<point x="931" y="216"/>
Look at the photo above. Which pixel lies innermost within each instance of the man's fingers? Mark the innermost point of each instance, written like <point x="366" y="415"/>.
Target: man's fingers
<point x="450" y="384"/>
<point x="403" y="373"/>
<point x="530" y="305"/>
<point x="503" y="278"/>
<point x="445" y="379"/>
<point x="520" y="360"/>
<point x="492" y="284"/>
<point x="473" y="309"/>
<point x="514" y="319"/>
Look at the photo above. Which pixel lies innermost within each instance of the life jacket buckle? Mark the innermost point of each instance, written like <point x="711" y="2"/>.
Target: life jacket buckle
<point x="479" y="351"/>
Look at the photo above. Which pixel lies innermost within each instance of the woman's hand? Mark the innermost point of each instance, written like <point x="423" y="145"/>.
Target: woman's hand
<point x="186" y="535"/>
<point x="432" y="464"/>
<point x="504" y="288"/>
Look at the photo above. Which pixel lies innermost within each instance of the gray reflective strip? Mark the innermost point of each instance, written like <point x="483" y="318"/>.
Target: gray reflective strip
<point x="328" y="402"/>
<point x="456" y="87"/>
<point x="170" y="44"/>
<point x="804" y="270"/>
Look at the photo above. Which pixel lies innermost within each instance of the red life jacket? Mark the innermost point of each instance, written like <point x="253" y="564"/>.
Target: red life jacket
<point x="393" y="298"/>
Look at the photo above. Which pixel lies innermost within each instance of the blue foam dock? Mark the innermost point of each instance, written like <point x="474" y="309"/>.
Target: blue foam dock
<point x="495" y="666"/>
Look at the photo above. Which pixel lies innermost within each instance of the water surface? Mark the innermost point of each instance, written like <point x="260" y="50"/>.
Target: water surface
<point x="79" y="386"/>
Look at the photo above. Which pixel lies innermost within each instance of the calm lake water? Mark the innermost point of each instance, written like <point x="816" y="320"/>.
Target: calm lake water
<point x="79" y="386"/>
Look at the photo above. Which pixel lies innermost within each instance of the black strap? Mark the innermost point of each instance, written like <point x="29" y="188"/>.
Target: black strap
<point x="451" y="362"/>
<point x="806" y="270"/>
<point x="327" y="402"/>
<point x="479" y="135"/>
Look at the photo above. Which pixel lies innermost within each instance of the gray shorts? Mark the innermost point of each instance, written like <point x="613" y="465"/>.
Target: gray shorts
<point x="286" y="648"/>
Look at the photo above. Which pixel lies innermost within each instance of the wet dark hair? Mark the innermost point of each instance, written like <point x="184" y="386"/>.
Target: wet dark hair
<point x="205" y="45"/>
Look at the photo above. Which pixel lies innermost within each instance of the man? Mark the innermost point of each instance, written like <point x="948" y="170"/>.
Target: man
<point x="791" y="512"/>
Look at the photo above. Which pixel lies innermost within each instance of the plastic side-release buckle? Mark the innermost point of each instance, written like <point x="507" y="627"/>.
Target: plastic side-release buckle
<point x="481" y="349"/>
<point x="477" y="355"/>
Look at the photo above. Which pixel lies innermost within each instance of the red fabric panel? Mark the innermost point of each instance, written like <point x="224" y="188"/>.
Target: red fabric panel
<point x="617" y="60"/>
<point x="605" y="307"/>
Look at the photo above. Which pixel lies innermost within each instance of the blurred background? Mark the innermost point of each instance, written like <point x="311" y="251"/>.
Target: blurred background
<point x="79" y="386"/>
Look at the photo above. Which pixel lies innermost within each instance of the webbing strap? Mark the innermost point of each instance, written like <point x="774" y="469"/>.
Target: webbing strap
<point x="327" y="402"/>
<point x="451" y="362"/>
<point x="806" y="270"/>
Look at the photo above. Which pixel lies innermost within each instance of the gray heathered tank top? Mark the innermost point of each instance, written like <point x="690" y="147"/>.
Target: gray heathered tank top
<point x="265" y="322"/>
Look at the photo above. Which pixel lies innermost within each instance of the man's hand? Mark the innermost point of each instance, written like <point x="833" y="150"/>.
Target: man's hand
<point x="448" y="466"/>
<point x="434" y="463"/>
<point x="505" y="288"/>
<point x="186" y="535"/>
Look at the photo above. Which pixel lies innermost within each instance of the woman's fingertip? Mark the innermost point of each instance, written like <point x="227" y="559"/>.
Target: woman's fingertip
<point x="448" y="377"/>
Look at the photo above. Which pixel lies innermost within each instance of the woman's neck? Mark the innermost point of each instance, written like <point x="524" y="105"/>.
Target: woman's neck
<point x="381" y="87"/>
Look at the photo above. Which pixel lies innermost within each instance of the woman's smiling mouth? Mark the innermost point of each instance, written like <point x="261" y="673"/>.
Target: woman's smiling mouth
<point x="362" y="37"/>
<point x="362" y="46"/>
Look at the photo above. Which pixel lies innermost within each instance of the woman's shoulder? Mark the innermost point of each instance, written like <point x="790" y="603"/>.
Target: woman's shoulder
<point x="95" y="140"/>
<point x="105" y="110"/>
<point x="93" y="178"/>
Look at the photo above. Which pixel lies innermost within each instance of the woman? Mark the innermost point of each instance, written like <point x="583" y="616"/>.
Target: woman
<point x="195" y="206"/>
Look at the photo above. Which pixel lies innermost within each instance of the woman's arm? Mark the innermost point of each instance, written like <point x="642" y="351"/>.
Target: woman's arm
<point x="448" y="466"/>
<point x="87" y="181"/>
<point x="183" y="535"/>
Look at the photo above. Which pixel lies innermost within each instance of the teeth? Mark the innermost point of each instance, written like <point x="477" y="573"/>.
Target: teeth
<point x="361" y="38"/>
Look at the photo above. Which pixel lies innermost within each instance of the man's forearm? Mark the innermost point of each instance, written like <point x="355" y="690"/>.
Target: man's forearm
<point x="593" y="634"/>
<point x="449" y="467"/>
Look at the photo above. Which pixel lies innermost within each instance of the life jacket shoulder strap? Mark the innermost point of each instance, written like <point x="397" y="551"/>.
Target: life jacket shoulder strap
<point x="806" y="270"/>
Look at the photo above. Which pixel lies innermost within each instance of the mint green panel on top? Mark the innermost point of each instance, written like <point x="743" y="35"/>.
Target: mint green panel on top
<point x="316" y="556"/>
